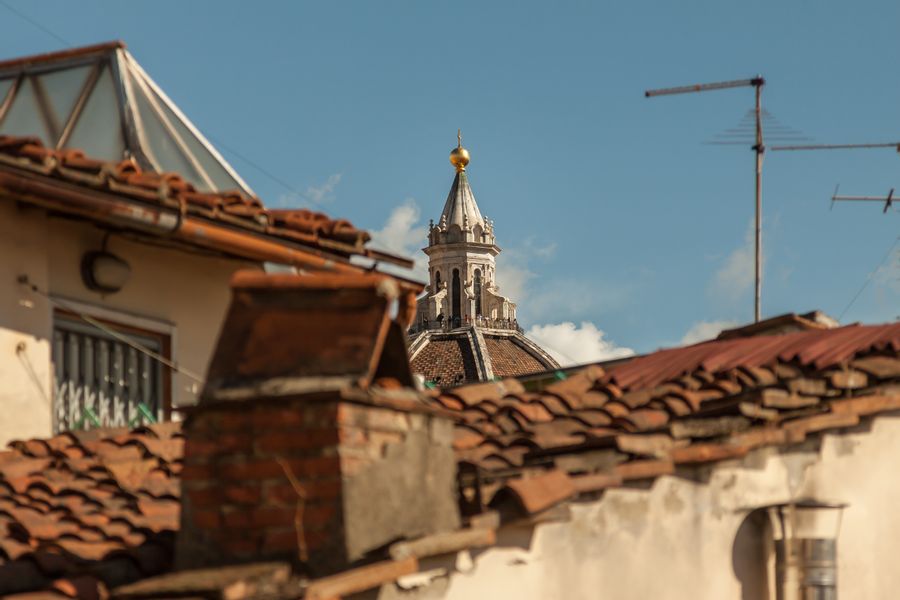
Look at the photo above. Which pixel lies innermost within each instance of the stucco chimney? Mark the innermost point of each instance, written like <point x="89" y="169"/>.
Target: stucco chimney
<point x="309" y="443"/>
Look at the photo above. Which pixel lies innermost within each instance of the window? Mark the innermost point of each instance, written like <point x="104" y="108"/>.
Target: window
<point x="437" y="281"/>
<point x="478" y="292"/>
<point x="103" y="382"/>
<point x="456" y="291"/>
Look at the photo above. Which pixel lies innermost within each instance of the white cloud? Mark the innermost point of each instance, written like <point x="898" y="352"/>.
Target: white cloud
<point x="571" y="345"/>
<point x="545" y="251"/>
<point x="705" y="330"/>
<point x="403" y="234"/>
<point x="736" y="276"/>
<point x="314" y="195"/>
<point x="321" y="193"/>
<point x="572" y="298"/>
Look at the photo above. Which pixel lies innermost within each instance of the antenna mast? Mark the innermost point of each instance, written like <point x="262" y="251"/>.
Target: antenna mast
<point x="758" y="148"/>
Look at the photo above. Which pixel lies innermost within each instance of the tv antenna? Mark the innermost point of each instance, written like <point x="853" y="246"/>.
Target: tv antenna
<point x="886" y="200"/>
<point x="758" y="148"/>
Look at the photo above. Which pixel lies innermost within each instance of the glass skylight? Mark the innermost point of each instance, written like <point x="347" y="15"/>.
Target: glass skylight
<point x="106" y="105"/>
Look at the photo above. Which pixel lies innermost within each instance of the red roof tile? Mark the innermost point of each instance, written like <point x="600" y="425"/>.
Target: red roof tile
<point x="702" y="403"/>
<point x="508" y="359"/>
<point x="126" y="179"/>
<point x="446" y="362"/>
<point x="63" y="515"/>
<point x="540" y="492"/>
<point x="819" y="349"/>
<point x="76" y="502"/>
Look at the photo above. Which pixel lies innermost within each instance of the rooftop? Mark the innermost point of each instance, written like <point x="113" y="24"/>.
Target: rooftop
<point x="642" y="418"/>
<point x="81" y="509"/>
<point x="477" y="352"/>
<point x="32" y="172"/>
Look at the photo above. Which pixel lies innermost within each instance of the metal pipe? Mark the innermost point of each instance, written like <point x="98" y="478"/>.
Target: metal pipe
<point x="860" y="198"/>
<point x="837" y="146"/>
<point x="756" y="82"/>
<point x="760" y="149"/>
<point x="705" y="87"/>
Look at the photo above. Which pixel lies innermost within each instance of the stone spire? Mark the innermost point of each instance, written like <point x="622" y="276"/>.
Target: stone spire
<point x="461" y="251"/>
<point x="461" y="208"/>
<point x="464" y="329"/>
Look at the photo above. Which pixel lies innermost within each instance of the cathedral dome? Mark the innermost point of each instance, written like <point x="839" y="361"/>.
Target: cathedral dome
<point x="471" y="354"/>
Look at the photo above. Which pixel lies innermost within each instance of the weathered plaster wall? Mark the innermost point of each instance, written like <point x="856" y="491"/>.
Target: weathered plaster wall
<point x="182" y="292"/>
<point x="676" y="539"/>
<point x="25" y="328"/>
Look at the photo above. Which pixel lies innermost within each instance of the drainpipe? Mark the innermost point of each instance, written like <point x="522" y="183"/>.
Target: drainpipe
<point x="805" y="535"/>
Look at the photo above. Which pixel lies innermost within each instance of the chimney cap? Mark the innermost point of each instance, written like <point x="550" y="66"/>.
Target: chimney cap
<point x="288" y="334"/>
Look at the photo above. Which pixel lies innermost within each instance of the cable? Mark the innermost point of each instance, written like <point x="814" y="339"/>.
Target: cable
<point x="259" y="168"/>
<point x="36" y="24"/>
<point x="23" y="279"/>
<point x="869" y="278"/>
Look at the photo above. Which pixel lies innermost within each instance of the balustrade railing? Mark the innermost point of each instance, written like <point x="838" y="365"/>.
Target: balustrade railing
<point x="453" y="323"/>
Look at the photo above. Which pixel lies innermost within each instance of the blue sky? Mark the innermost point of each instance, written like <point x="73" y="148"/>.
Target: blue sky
<point x="610" y="208"/>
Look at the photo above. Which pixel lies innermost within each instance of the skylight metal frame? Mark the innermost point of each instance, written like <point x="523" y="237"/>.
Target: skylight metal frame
<point x="86" y="90"/>
<point x="8" y="100"/>
<point x="129" y="116"/>
<point x="45" y="110"/>
<point x="210" y="170"/>
<point x="158" y="112"/>
<point x="147" y="80"/>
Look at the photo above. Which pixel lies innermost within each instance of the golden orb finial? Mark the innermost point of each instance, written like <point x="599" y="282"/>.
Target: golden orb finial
<point x="459" y="157"/>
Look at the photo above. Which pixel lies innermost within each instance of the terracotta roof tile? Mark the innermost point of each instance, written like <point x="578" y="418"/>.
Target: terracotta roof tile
<point x="446" y="362"/>
<point x="644" y="469"/>
<point x="699" y="453"/>
<point x="508" y="359"/>
<point x="301" y="226"/>
<point x="80" y="501"/>
<point x="683" y="406"/>
<point x="71" y="511"/>
<point x="85" y="587"/>
<point x="539" y="492"/>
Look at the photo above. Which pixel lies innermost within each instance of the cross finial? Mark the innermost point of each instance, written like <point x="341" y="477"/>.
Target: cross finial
<point x="459" y="138"/>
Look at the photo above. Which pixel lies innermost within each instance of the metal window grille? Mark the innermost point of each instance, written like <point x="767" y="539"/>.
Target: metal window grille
<point x="102" y="382"/>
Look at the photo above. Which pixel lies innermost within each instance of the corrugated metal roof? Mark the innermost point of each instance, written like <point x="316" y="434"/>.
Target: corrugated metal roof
<point x="820" y="349"/>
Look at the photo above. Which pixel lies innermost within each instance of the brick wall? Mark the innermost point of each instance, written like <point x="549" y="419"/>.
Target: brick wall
<point x="367" y="474"/>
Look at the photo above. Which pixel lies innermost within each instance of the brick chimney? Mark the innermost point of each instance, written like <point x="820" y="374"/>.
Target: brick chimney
<point x="309" y="443"/>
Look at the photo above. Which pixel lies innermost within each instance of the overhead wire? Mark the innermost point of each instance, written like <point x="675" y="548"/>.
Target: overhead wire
<point x="262" y="170"/>
<point x="59" y="303"/>
<point x="46" y="30"/>
<point x="869" y="278"/>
